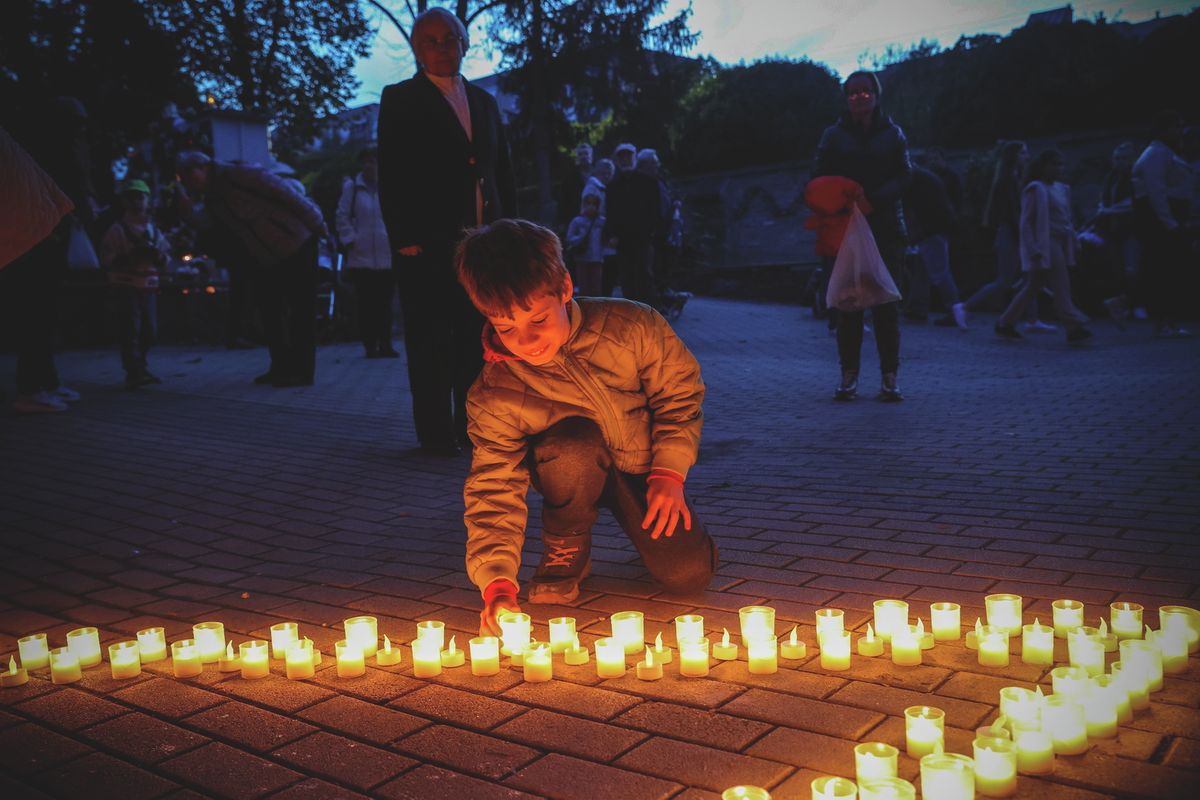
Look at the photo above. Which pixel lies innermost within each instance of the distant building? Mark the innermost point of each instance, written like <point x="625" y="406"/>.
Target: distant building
<point x="1053" y="16"/>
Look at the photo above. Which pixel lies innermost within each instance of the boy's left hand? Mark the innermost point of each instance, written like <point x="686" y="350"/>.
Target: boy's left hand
<point x="665" y="503"/>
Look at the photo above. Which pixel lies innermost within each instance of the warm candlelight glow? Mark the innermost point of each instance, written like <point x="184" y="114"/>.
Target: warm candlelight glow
<point x="125" y="660"/>
<point x="427" y="658"/>
<point x="693" y="659"/>
<point x="85" y="644"/>
<point x="485" y="655"/>
<point x="889" y="616"/>
<point x="1035" y="752"/>
<point x="947" y="776"/>
<point x="152" y="642"/>
<point x="1182" y="620"/>
<point x="514" y="632"/>
<point x="793" y="648"/>
<point x="972" y="642"/>
<point x="210" y="640"/>
<point x="906" y="647"/>
<point x="283" y="636"/>
<point x="993" y="646"/>
<point x="758" y="622"/>
<point x="1068" y="615"/>
<point x="628" y="629"/>
<point x="763" y="656"/>
<point x="254" y="658"/>
<point x="831" y="788"/>
<point x="924" y="730"/>
<point x="229" y="661"/>
<point x="1004" y="612"/>
<point x="453" y="657"/>
<point x="1085" y="650"/>
<point x="831" y="620"/>
<point x="870" y="645"/>
<point x="662" y="655"/>
<point x="945" y="619"/>
<point x="610" y="658"/>
<point x="688" y="627"/>
<point x="577" y="656"/>
<point x="364" y="632"/>
<point x="185" y="659"/>
<point x="724" y="650"/>
<point x="1062" y="718"/>
<point x="835" y="651"/>
<point x="649" y="670"/>
<point x="299" y="660"/>
<point x="16" y="676"/>
<point x="1126" y="620"/>
<point x="538" y="665"/>
<point x="886" y="789"/>
<point x="432" y="629"/>
<point x="1140" y="655"/>
<point x="875" y="760"/>
<point x="35" y="651"/>
<point x="388" y="656"/>
<point x="562" y="633"/>
<point x="745" y="793"/>
<point x="1037" y="644"/>
<point x="64" y="666"/>
<point x="995" y="766"/>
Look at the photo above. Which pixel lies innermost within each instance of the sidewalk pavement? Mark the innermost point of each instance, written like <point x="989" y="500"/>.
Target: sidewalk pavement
<point x="1033" y="467"/>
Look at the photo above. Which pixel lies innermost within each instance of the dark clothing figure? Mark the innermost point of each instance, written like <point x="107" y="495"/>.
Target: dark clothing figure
<point x="930" y="220"/>
<point x="927" y="208"/>
<point x="435" y="180"/>
<point x="636" y="216"/>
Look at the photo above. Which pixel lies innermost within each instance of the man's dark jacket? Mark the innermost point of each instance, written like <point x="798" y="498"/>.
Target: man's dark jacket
<point x="428" y="168"/>
<point x="877" y="158"/>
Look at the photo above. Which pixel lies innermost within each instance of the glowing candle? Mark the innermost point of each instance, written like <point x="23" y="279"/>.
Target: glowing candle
<point x="835" y="651"/>
<point x="210" y="640"/>
<point x="745" y="793"/>
<point x="575" y="655"/>
<point x="906" y="647"/>
<point x="688" y="628"/>
<point x="649" y="670"/>
<point x="452" y="657"/>
<point x="1100" y="703"/>
<point x="889" y="615"/>
<point x="125" y="660"/>
<point x="993" y="647"/>
<point x="517" y="659"/>
<point x="1118" y="696"/>
<point x="763" y="656"/>
<point x="1021" y="707"/>
<point x="388" y="656"/>
<point x="1144" y="657"/>
<point x="793" y="648"/>
<point x="923" y="636"/>
<point x="610" y="658"/>
<point x="993" y="730"/>
<point x="1180" y="619"/>
<point x="299" y="660"/>
<point x="1035" y="752"/>
<point x="185" y="659"/>
<point x="427" y="658"/>
<point x="1085" y="650"/>
<point x="255" y="661"/>
<point x="725" y="650"/>
<point x="693" y="659"/>
<point x="995" y="766"/>
<point x="945" y="619"/>
<point x="15" y="676"/>
<point x="539" y="665"/>
<point x="1135" y="683"/>
<point x="947" y="776"/>
<point x="628" y="628"/>
<point x="875" y="760"/>
<point x="1126" y="620"/>
<point x="485" y="655"/>
<point x="830" y="619"/>
<point x="432" y="629"/>
<point x="229" y="661"/>
<point x="972" y="642"/>
<point x="1004" y="611"/>
<point x="283" y="636"/>
<point x="1062" y="718"/>
<point x="316" y="653"/>
<point x="64" y="666"/>
<point x="886" y="789"/>
<point x="1037" y="644"/>
<point x="1068" y="615"/>
<point x="1108" y="640"/>
<point x="364" y="632"/>
<point x="662" y="655"/>
<point x="514" y="632"/>
<point x="870" y="645"/>
<point x="152" y="642"/>
<point x="924" y="730"/>
<point x="831" y="788"/>
<point x="35" y="651"/>
<point x="1070" y="681"/>
<point x="758" y="622"/>
<point x="1173" y="648"/>
<point x="562" y="633"/>
<point x="85" y="644"/>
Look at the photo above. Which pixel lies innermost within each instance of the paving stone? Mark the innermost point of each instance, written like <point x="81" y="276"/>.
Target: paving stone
<point x="277" y="692"/>
<point x="826" y="754"/>
<point x="427" y="782"/>
<point x="14" y="695"/>
<point x="343" y="760"/>
<point x="1105" y="773"/>
<point x="248" y="726"/>
<point x="362" y="720"/>
<point x="694" y="725"/>
<point x="168" y="698"/>
<point x="581" y="701"/>
<point x="97" y="775"/>
<point x="1184" y="754"/>
<point x="143" y="740"/>
<point x="227" y="772"/>
<point x="696" y="765"/>
<point x="468" y="709"/>
<point x="317" y="789"/>
<point x="461" y="750"/>
<point x="880" y="669"/>
<point x="698" y="692"/>
<point x="69" y="709"/>
<point x="890" y="700"/>
<point x="375" y="685"/>
<point x="29" y="748"/>
<point x="562" y="777"/>
<point x="800" y="712"/>
<point x="787" y="680"/>
<point x="551" y="732"/>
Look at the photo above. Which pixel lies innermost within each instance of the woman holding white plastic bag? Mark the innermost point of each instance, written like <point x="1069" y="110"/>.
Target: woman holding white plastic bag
<point x="867" y="147"/>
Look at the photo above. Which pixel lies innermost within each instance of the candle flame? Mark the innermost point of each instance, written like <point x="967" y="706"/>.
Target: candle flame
<point x="978" y="626"/>
<point x="920" y="627"/>
<point x="450" y="649"/>
<point x="725" y="638"/>
<point x="794" y="640"/>
<point x="575" y="646"/>
<point x="870" y="633"/>
<point x="649" y="658"/>
<point x="1103" y="628"/>
<point x="540" y="652"/>
<point x="658" y="642"/>
<point x="387" y="644"/>
<point x="1037" y="623"/>
<point x="12" y="665"/>
<point x="229" y="652"/>
<point x="1038" y="691"/>
<point x="1148" y="631"/>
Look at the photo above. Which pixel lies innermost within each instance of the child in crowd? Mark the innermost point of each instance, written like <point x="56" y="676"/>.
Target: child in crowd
<point x="596" y="403"/>
<point x="585" y="242"/>
<point x="133" y="252"/>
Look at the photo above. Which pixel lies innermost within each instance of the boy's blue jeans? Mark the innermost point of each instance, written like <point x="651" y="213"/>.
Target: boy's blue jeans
<point x="137" y="320"/>
<point x="573" y="469"/>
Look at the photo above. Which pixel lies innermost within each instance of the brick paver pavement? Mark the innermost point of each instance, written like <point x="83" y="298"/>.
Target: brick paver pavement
<point x="1032" y="467"/>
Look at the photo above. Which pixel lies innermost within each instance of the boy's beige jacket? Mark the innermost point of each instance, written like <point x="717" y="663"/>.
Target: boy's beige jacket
<point x="622" y="367"/>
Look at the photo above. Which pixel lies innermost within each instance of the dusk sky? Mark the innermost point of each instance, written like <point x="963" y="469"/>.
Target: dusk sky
<point x="840" y="33"/>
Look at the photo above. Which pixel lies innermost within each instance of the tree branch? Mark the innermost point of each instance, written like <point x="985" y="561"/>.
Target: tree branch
<point x="392" y="17"/>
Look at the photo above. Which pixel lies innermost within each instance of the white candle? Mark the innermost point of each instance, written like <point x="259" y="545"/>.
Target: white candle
<point x="125" y="660"/>
<point x="995" y="766"/>
<point x="364" y="632"/>
<point x="575" y="655"/>
<point x="254" y="659"/>
<point x="514" y="632"/>
<point x="432" y="629"/>
<point x="649" y="670"/>
<point x="299" y="660"/>
<point x="316" y="652"/>
<point x="283" y="636"/>
<point x="1144" y="657"/>
<point x="1070" y="681"/>
<point x="993" y="647"/>
<point x="1037" y="644"/>
<point x="662" y="655"/>
<point x="1068" y="615"/>
<point x="85" y="644"/>
<point x="538" y="666"/>
<point x="725" y="650"/>
<point x="1062" y="718"/>
<point x="229" y="661"/>
<point x="1021" y="707"/>
<point x="758" y="622"/>
<point x="973" y="636"/>
<point x="923" y="636"/>
<point x="1035" y="752"/>
<point x="628" y="629"/>
<point x="830" y="788"/>
<point x="946" y="621"/>
<point x="15" y="676"/>
<point x="1004" y="611"/>
<point x="906" y="647"/>
<point x="745" y="793"/>
<point x="453" y="657"/>
<point x="185" y="659"/>
<point x="64" y="666"/>
<point x="793" y="649"/>
<point x="688" y="627"/>
<point x="870" y="645"/>
<point x="1119" y="696"/>
<point x="210" y="640"/>
<point x="350" y="660"/>
<point x="1183" y="620"/>
<point x="875" y="760"/>
<point x="427" y="658"/>
<point x="610" y="658"/>
<point x="562" y="633"/>
<point x="830" y="619"/>
<point x="924" y="730"/>
<point x="1135" y="682"/>
<point x="1100" y="702"/>
<point x="152" y="643"/>
<point x="1085" y="650"/>
<point x="835" y="651"/>
<point x="485" y="655"/>
<point x="35" y="651"/>
<point x="1108" y="640"/>
<point x="947" y="776"/>
<point x="889" y="615"/>
<point x="763" y="656"/>
<point x="388" y="656"/>
<point x="1173" y="647"/>
<point x="693" y="659"/>
<point x="886" y="789"/>
<point x="1126" y="620"/>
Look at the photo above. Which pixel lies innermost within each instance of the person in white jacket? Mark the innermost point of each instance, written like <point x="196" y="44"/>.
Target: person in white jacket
<point x="368" y="255"/>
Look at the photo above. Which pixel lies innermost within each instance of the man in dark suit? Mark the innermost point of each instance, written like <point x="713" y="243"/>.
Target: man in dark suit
<point x="443" y="167"/>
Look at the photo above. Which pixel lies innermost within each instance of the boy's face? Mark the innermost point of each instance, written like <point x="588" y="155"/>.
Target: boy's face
<point x="536" y="334"/>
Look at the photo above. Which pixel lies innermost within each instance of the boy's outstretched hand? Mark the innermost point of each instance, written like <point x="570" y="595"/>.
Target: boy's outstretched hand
<point x="500" y="596"/>
<point x="665" y="505"/>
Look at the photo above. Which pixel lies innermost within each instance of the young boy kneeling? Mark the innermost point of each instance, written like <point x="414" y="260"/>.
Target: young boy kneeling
<point x="595" y="402"/>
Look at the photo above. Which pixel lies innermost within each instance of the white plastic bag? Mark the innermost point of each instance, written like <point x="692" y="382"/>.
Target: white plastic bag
<point x="859" y="279"/>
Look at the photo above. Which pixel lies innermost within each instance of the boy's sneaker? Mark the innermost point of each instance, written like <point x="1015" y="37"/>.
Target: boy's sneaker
<point x="1037" y="326"/>
<point x="67" y="395"/>
<point x="959" y="311"/>
<point x="37" y="403"/>
<point x="566" y="560"/>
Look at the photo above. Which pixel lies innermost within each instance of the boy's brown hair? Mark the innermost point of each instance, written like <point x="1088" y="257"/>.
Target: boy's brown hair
<point x="509" y="263"/>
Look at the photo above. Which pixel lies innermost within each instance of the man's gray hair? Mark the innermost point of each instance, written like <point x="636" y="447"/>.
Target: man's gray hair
<point x="438" y="11"/>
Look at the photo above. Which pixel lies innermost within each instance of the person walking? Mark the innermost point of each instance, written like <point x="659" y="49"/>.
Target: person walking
<point x="930" y="220"/>
<point x="368" y="255"/>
